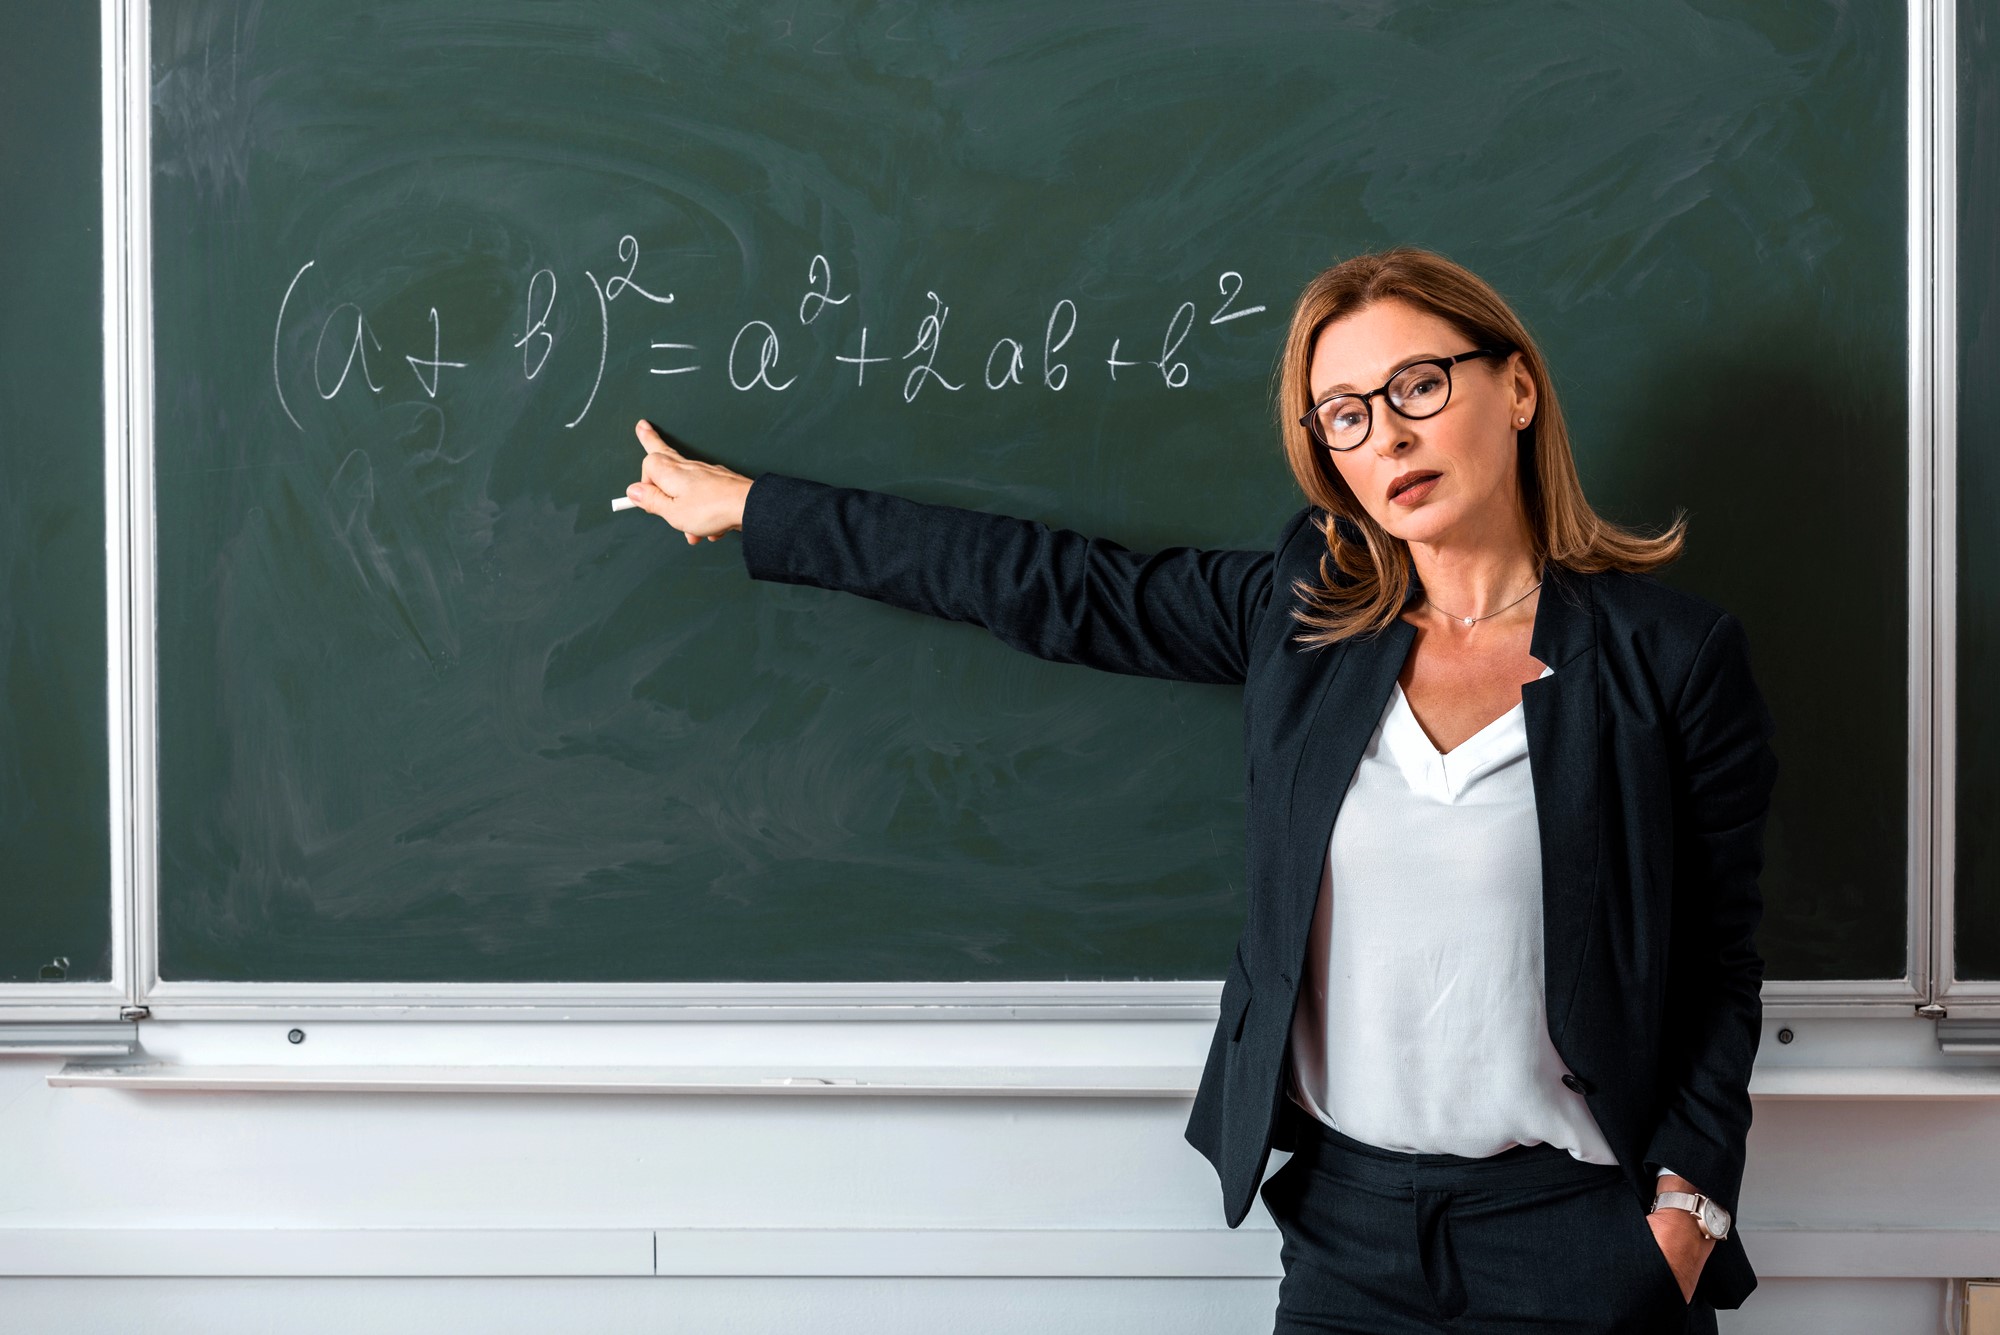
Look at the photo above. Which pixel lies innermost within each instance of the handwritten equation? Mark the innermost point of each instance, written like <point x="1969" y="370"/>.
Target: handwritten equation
<point x="755" y="356"/>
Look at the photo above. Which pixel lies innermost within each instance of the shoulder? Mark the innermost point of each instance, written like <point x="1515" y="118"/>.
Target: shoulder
<point x="1304" y="534"/>
<point x="1300" y="542"/>
<point x="1303" y="527"/>
<point x="1627" y="601"/>
<point x="1649" y="630"/>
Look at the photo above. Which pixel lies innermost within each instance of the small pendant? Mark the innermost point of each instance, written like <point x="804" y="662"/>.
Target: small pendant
<point x="1470" y="620"/>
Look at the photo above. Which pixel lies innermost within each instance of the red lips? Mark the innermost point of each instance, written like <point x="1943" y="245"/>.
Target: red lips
<point x="1413" y="476"/>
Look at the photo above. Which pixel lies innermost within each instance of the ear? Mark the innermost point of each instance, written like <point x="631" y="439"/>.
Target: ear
<point x="1525" y="402"/>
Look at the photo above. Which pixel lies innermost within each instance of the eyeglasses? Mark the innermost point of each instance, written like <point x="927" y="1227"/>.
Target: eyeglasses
<point x="1421" y="389"/>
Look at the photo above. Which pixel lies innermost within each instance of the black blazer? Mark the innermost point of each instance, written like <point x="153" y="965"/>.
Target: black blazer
<point x="1648" y="748"/>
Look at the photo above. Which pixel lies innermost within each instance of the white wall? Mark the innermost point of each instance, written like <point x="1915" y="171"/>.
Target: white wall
<point x="219" y="1212"/>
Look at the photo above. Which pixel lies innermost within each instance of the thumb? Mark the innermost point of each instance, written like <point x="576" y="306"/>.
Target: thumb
<point x="648" y="498"/>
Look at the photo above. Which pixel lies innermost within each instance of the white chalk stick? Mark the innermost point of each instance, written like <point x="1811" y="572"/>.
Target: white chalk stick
<point x="624" y="503"/>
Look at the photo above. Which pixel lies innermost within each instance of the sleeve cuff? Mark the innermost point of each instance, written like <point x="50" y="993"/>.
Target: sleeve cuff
<point x="772" y="511"/>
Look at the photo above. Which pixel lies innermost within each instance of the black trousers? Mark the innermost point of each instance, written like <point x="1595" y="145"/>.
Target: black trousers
<point x="1531" y="1239"/>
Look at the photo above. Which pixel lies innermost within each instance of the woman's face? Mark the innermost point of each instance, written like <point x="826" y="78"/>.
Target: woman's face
<point x="1470" y="443"/>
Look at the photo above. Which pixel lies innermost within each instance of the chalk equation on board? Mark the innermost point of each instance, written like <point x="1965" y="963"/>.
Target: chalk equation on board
<point x="754" y="358"/>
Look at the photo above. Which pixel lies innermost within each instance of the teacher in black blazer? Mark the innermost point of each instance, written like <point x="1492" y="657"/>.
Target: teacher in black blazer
<point x="1497" y="987"/>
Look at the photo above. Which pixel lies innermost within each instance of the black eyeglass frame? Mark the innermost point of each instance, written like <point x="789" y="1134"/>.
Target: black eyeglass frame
<point x="1311" y="419"/>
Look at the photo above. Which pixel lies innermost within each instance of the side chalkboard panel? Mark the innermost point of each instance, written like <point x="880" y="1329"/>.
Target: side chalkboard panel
<point x="55" y="790"/>
<point x="1977" y="894"/>
<point x="430" y="711"/>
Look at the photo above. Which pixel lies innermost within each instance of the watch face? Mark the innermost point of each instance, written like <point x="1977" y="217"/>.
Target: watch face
<point x="1714" y="1218"/>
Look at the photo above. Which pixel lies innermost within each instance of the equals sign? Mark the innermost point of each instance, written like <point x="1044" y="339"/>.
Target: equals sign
<point x="675" y="370"/>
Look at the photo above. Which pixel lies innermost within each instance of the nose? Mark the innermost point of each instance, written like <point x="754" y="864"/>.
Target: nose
<point x="1388" y="430"/>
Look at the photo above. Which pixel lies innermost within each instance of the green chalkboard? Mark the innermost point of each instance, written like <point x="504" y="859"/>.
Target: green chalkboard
<point x="430" y="711"/>
<point x="1977" y="894"/>
<point x="55" y="790"/>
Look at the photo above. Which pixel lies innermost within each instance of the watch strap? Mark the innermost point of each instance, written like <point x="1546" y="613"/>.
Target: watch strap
<point x="1694" y="1203"/>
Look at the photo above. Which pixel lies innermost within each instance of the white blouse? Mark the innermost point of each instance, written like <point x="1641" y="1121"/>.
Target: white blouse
<point x="1422" y="1024"/>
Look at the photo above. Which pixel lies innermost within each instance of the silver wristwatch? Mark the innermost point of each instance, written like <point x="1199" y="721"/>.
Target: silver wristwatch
<point x="1710" y="1218"/>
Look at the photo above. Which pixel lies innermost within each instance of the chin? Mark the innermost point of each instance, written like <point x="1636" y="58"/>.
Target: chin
<point x="1423" y="526"/>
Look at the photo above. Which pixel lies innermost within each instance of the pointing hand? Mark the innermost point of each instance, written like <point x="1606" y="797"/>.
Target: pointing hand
<point x="701" y="500"/>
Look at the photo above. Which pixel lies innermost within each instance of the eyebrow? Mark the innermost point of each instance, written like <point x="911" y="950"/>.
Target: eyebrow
<point x="1343" y="386"/>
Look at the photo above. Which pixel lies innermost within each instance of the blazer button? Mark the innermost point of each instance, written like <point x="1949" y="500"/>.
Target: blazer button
<point x="1578" y="1083"/>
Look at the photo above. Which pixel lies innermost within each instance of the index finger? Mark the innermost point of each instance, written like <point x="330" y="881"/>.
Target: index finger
<point x="651" y="441"/>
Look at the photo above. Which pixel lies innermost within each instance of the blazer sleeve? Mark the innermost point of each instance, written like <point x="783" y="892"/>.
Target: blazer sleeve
<point x="1180" y="613"/>
<point x="1714" y="1008"/>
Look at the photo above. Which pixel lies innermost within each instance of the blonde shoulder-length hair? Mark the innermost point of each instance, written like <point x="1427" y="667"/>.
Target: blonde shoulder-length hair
<point x="1376" y="570"/>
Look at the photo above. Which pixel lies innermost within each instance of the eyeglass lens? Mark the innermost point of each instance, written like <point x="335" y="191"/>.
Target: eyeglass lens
<point x="1417" y="391"/>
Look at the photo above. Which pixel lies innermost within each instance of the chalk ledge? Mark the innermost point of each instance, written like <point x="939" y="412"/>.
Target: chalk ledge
<point x="1168" y="1082"/>
<point x="972" y="1081"/>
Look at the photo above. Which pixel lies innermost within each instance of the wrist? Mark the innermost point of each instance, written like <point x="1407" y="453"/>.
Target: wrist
<point x="1708" y="1226"/>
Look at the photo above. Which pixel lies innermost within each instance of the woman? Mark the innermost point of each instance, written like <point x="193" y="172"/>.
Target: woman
<point x="1521" y="1001"/>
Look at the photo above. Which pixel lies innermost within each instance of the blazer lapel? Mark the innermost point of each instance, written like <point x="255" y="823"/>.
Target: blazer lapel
<point x="1560" y="712"/>
<point x="1359" y="674"/>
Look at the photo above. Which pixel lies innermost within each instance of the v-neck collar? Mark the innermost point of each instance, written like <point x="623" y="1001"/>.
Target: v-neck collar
<point x="1352" y="681"/>
<point x="1445" y="775"/>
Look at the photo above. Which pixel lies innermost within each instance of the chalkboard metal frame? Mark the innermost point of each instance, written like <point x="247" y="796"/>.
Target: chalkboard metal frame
<point x="129" y="425"/>
<point x="126" y="348"/>
<point x="1933" y="565"/>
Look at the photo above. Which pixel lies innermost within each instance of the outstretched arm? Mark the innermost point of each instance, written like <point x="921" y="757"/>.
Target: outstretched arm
<point x="1180" y="613"/>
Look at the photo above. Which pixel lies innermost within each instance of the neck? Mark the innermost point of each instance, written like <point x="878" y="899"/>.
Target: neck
<point x="1475" y="574"/>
